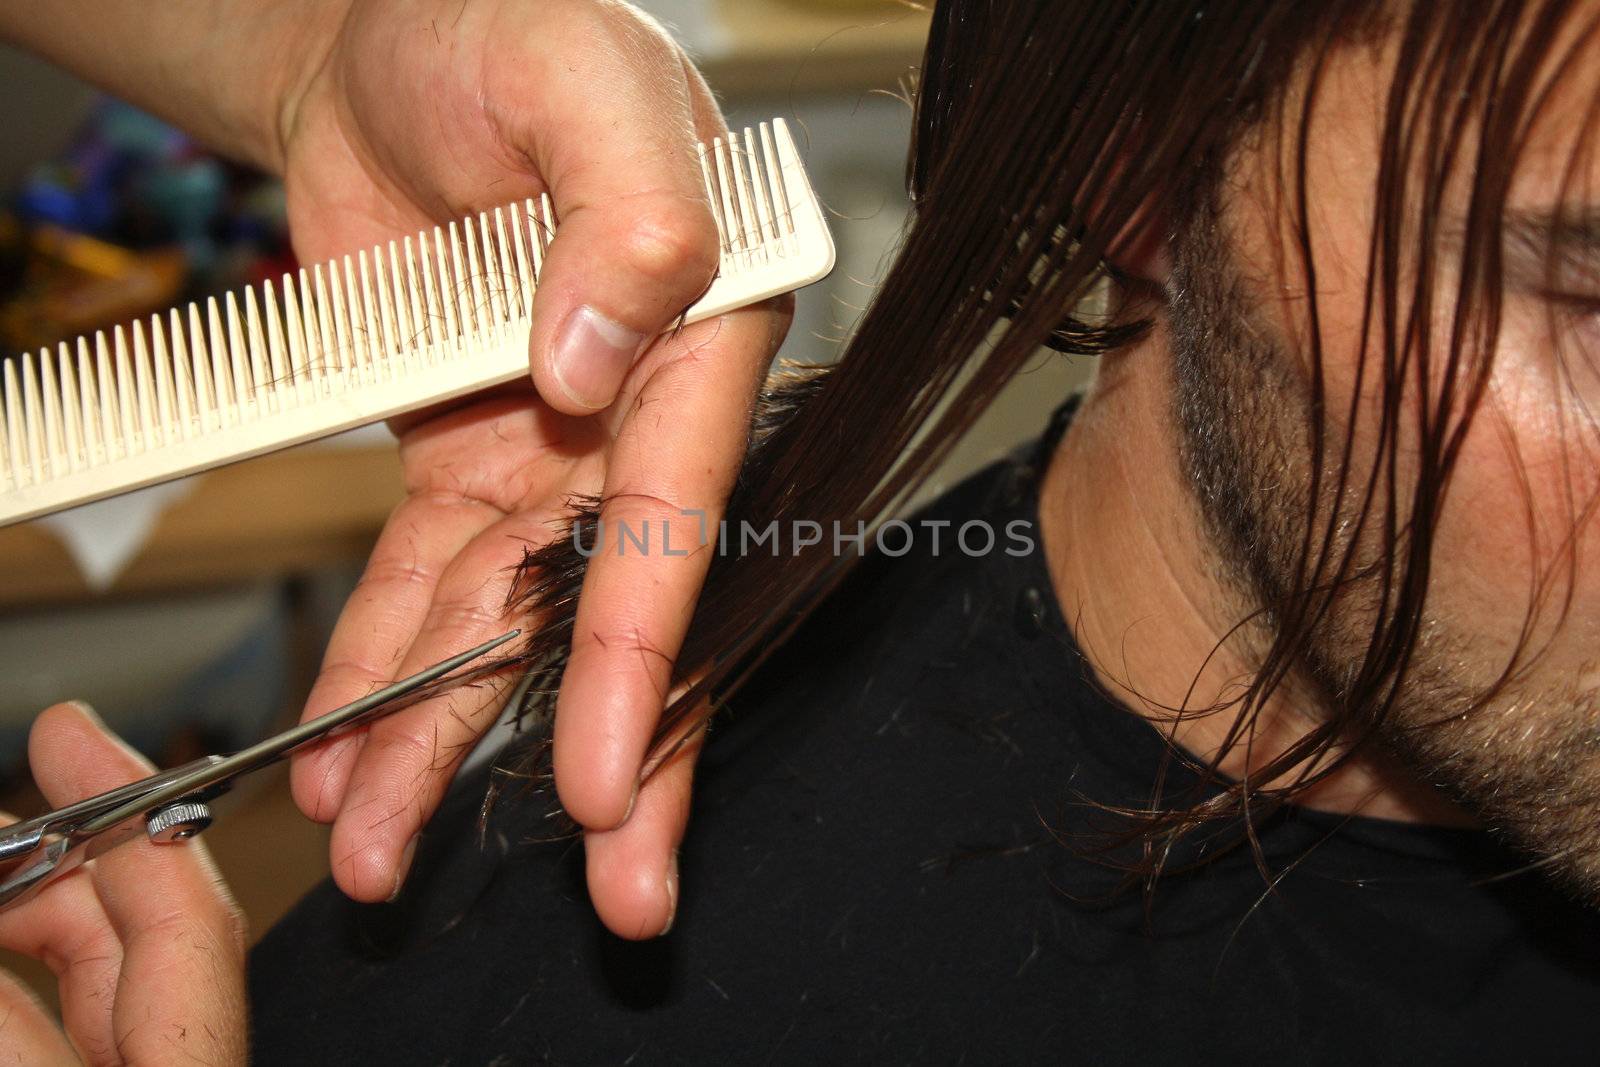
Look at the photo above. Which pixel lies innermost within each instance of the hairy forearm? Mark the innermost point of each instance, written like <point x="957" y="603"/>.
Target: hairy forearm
<point x="224" y="70"/>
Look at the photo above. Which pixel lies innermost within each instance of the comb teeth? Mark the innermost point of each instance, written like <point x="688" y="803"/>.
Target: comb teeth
<point x="352" y="341"/>
<point x="363" y="320"/>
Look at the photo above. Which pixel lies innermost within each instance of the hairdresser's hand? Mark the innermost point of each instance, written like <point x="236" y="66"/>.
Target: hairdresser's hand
<point x="427" y="109"/>
<point x="145" y="942"/>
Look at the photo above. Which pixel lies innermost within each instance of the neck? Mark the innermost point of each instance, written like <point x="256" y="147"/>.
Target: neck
<point x="1140" y="578"/>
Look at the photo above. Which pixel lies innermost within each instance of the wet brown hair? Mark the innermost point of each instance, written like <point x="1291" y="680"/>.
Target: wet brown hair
<point x="1046" y="137"/>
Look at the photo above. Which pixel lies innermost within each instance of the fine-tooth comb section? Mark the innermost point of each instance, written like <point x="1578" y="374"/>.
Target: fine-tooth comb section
<point x="355" y="340"/>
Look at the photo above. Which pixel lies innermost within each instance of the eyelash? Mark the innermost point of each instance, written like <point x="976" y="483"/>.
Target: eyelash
<point x="1574" y="324"/>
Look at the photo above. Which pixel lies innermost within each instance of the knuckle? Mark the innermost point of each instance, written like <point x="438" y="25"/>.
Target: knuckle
<point x="217" y="939"/>
<point x="470" y="615"/>
<point x="406" y="750"/>
<point x="176" y="925"/>
<point x="343" y="679"/>
<point x="634" y="647"/>
<point x="319" y="796"/>
<point x="411" y="768"/>
<point x="672" y="241"/>
<point x="637" y="504"/>
<point x="394" y="572"/>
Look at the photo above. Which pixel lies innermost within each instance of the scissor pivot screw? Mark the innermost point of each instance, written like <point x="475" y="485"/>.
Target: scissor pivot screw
<point x="178" y="821"/>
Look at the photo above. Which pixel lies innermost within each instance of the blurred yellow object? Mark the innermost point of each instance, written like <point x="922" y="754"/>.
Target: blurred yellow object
<point x="802" y="46"/>
<point x="76" y="284"/>
<point x="848" y="5"/>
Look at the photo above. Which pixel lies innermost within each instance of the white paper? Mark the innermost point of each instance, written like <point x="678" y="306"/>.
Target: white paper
<point x="105" y="536"/>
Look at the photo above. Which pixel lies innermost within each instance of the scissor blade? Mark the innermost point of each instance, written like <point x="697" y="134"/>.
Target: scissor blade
<point x="49" y="862"/>
<point x="274" y="748"/>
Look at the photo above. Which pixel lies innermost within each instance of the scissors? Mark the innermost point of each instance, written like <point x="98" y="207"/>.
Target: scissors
<point x="174" y="805"/>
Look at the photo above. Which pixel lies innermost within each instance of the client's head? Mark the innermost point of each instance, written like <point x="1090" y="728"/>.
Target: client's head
<point x="1357" y="244"/>
<point x="1381" y="313"/>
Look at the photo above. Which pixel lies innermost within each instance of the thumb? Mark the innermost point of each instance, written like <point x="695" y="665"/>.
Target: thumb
<point x="624" y="264"/>
<point x="636" y="242"/>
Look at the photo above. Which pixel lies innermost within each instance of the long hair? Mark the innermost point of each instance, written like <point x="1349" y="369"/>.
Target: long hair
<point x="1043" y="134"/>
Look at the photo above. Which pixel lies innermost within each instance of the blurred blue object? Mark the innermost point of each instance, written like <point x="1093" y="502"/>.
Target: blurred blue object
<point x="84" y="189"/>
<point x="187" y="197"/>
<point x="129" y="178"/>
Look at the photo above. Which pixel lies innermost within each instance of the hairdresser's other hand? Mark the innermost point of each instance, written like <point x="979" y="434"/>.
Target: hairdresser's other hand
<point x="422" y="110"/>
<point x="146" y="944"/>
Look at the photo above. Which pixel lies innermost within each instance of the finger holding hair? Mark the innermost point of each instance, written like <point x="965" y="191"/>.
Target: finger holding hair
<point x="632" y="871"/>
<point x="681" y="440"/>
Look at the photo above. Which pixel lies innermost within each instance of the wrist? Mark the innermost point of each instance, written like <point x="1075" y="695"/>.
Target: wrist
<point x="297" y="39"/>
<point x="227" y="71"/>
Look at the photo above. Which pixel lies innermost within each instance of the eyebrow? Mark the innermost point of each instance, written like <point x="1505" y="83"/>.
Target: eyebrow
<point x="1552" y="249"/>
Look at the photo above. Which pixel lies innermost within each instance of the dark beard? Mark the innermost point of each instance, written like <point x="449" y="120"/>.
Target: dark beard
<point x="1234" y="393"/>
<point x="1525" y="759"/>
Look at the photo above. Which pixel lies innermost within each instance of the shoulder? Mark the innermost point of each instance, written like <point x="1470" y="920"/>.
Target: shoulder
<point x="874" y="793"/>
<point x="927" y="636"/>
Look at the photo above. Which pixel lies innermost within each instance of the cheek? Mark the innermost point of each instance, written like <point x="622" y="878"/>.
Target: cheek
<point x="1519" y="523"/>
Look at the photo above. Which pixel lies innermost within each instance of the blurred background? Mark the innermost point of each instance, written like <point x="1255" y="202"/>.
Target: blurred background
<point x="192" y="617"/>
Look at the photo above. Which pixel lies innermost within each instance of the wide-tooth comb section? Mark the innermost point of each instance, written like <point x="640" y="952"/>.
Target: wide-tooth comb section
<point x="109" y="404"/>
<point x="744" y="196"/>
<point x="319" y="324"/>
<point x="71" y="409"/>
<point x="393" y="354"/>
<point x="445" y="277"/>
<point x="346" y="305"/>
<point x="16" y="450"/>
<point x="477" y="316"/>
<point x="432" y="304"/>
<point x="495" y="287"/>
<point x="777" y="172"/>
<point x="117" y="380"/>
<point x="94" y="442"/>
<point x="521" y="261"/>
<point x="32" y="420"/>
<point x="162" y="365"/>
<point x="366" y="335"/>
<point x="184" y="413"/>
<point x="144" y="393"/>
<point x="207" y="383"/>
<point x="55" y="450"/>
<point x="456" y="305"/>
<point x="369" y="335"/>
<point x="283" y="367"/>
<point x="509" y="285"/>
<point x="264" y="376"/>
<point x="722" y="200"/>
<point x="759" y="196"/>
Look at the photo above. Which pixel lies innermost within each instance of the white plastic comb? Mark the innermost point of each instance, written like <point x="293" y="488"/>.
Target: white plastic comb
<point x="354" y="341"/>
